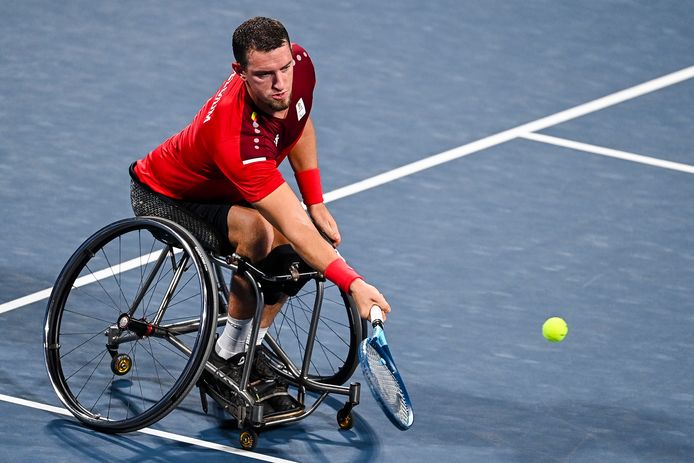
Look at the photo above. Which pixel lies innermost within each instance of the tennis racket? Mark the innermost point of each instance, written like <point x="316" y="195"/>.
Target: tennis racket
<point x="383" y="377"/>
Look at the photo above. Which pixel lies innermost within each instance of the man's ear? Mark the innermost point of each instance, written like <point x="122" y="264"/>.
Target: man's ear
<point x="238" y="69"/>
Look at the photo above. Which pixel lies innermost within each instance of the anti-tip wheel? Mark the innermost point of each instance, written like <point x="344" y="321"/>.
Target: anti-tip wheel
<point x="248" y="439"/>
<point x="345" y="419"/>
<point x="121" y="364"/>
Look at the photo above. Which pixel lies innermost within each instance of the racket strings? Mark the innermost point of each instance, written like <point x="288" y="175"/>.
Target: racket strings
<point x="391" y="393"/>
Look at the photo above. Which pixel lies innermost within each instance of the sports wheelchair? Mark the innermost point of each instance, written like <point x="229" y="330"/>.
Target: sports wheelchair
<point x="133" y="316"/>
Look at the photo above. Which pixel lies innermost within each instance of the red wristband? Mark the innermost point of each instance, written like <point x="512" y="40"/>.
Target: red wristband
<point x="309" y="186"/>
<point x="341" y="274"/>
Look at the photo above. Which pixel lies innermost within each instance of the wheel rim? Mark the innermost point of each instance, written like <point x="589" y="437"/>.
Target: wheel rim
<point x="141" y="376"/>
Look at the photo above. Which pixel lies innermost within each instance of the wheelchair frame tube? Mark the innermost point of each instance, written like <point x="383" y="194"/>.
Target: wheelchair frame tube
<point x="143" y="290"/>
<point x="235" y="263"/>
<point x="212" y="369"/>
<point x="311" y="336"/>
<point x="171" y="289"/>
<point x="259" y="308"/>
<point x="222" y="288"/>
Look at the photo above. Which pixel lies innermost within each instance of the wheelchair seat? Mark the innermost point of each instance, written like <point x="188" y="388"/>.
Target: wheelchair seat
<point x="146" y="202"/>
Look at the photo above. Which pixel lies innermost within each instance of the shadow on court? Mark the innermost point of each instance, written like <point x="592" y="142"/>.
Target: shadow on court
<point x="358" y="444"/>
<point x="303" y="442"/>
<point x="94" y="446"/>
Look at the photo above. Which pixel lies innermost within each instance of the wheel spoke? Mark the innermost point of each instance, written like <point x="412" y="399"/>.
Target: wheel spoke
<point x="333" y="357"/>
<point x="124" y="391"/>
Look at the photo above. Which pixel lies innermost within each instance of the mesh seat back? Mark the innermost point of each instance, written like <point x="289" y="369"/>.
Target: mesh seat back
<point x="145" y="202"/>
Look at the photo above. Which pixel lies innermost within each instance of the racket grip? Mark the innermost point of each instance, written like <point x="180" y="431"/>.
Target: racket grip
<point x="376" y="316"/>
<point x="330" y="242"/>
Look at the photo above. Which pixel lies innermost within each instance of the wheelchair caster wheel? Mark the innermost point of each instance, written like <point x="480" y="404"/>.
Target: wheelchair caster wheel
<point x="121" y="364"/>
<point x="248" y="439"/>
<point x="345" y="419"/>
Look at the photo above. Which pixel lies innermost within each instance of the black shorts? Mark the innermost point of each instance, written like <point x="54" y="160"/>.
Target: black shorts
<point x="214" y="213"/>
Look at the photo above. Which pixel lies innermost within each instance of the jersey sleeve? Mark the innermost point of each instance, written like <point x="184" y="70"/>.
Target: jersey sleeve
<point x="253" y="177"/>
<point x="257" y="180"/>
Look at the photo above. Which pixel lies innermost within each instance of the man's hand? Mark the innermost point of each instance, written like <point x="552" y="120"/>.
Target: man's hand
<point x="367" y="296"/>
<point x="324" y="222"/>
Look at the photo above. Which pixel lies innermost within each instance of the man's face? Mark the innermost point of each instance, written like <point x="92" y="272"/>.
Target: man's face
<point x="269" y="77"/>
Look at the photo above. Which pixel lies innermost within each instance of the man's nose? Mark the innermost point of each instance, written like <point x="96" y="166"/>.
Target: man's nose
<point x="279" y="81"/>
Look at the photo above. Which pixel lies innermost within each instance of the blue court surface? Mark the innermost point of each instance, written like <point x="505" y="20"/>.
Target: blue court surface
<point x="490" y="164"/>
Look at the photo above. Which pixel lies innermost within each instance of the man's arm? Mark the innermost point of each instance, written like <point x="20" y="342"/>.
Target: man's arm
<point x="283" y="210"/>
<point x="304" y="154"/>
<point x="304" y="161"/>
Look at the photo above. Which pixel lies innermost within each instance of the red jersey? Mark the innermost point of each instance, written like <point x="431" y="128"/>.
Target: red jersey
<point x="231" y="150"/>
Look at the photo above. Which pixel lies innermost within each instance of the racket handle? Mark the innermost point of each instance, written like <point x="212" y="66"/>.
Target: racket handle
<point x="376" y="316"/>
<point x="330" y="242"/>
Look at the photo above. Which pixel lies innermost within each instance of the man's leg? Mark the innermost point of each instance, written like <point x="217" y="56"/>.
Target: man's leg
<point x="253" y="238"/>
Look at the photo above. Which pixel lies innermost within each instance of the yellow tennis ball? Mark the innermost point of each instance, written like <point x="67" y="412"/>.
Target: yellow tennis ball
<point x="554" y="329"/>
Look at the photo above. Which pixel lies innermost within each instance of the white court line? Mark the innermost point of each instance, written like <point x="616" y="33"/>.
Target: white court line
<point x="84" y="280"/>
<point x="510" y="134"/>
<point x="464" y="150"/>
<point x="609" y="152"/>
<point x="154" y="432"/>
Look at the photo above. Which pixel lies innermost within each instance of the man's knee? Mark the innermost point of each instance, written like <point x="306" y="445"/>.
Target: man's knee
<point x="283" y="260"/>
<point x="251" y="233"/>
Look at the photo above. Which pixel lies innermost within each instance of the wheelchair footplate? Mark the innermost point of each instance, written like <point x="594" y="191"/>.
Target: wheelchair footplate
<point x="257" y="413"/>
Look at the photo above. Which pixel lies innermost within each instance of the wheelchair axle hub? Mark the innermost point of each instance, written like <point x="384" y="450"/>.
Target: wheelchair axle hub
<point x="139" y="327"/>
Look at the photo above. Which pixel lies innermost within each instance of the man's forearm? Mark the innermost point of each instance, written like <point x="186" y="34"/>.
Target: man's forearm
<point x="282" y="209"/>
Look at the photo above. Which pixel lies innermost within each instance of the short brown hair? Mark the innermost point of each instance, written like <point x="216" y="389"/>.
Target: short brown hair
<point x="260" y="34"/>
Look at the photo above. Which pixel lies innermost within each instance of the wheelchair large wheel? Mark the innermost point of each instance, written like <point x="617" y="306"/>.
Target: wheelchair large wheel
<point x="338" y="333"/>
<point x="130" y="323"/>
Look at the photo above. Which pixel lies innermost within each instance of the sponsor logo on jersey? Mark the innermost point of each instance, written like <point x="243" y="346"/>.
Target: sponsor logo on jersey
<point x="217" y="98"/>
<point x="300" y="109"/>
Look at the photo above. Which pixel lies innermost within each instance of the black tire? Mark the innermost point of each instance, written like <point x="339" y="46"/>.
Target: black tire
<point x="96" y="290"/>
<point x="339" y="332"/>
